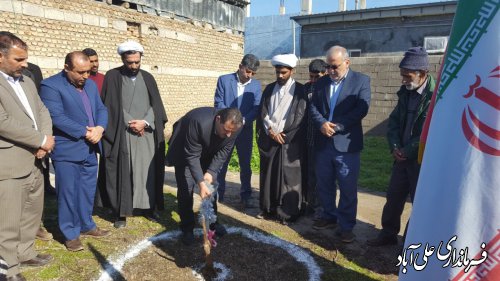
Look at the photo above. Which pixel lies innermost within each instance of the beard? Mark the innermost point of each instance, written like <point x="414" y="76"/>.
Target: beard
<point x="412" y="86"/>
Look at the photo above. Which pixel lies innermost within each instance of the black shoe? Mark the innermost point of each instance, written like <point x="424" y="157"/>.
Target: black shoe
<point x="152" y="216"/>
<point x="266" y="215"/>
<point x="120" y="222"/>
<point x="324" y="224"/>
<point x="187" y="238"/>
<point x="345" y="236"/>
<point x="220" y="230"/>
<point x="382" y="240"/>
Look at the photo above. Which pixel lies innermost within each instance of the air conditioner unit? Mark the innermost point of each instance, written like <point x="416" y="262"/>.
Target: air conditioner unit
<point x="435" y="44"/>
<point x="354" y="53"/>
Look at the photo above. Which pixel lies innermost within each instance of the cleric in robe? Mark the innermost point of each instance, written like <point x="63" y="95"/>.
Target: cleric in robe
<point x="281" y="140"/>
<point x="132" y="164"/>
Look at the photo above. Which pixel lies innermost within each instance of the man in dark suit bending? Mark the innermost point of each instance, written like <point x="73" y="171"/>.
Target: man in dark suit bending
<point x="200" y="144"/>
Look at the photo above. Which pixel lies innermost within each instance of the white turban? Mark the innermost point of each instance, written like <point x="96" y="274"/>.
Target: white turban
<point x="130" y="46"/>
<point x="289" y="60"/>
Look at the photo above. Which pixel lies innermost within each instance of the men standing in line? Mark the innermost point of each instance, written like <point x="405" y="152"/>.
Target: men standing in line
<point x="403" y="134"/>
<point x="79" y="120"/>
<point x="95" y="76"/>
<point x="132" y="163"/>
<point x="317" y="69"/>
<point x="281" y="140"/>
<point x="201" y="142"/>
<point x="239" y="90"/>
<point x="340" y="101"/>
<point x="25" y="139"/>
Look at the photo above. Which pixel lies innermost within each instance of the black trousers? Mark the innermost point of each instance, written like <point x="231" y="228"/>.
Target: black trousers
<point x="185" y="188"/>
<point x="403" y="182"/>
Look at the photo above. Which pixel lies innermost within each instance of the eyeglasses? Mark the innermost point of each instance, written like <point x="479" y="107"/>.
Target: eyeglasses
<point x="333" y="66"/>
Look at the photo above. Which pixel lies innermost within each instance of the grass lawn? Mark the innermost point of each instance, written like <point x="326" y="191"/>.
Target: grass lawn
<point x="376" y="163"/>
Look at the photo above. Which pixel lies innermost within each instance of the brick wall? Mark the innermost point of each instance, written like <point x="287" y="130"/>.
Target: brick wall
<point x="385" y="82"/>
<point x="185" y="57"/>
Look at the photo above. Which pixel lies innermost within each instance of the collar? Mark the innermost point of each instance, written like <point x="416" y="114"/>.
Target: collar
<point x="10" y="78"/>
<point x="421" y="89"/>
<point x="238" y="79"/>
<point x="341" y="79"/>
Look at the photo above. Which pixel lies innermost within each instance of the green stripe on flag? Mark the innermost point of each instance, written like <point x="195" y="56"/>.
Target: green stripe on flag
<point x="471" y="21"/>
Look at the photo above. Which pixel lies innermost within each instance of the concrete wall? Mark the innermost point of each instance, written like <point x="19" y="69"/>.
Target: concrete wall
<point x="184" y="57"/>
<point x="389" y="35"/>
<point x="376" y="31"/>
<point x="385" y="82"/>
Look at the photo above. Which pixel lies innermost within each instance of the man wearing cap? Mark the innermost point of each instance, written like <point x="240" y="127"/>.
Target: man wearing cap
<point x="339" y="103"/>
<point x="281" y="140"/>
<point x="403" y="135"/>
<point x="131" y="177"/>
<point x="240" y="91"/>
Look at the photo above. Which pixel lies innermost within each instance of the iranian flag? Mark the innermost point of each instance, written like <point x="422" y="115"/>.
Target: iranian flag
<point x="454" y="231"/>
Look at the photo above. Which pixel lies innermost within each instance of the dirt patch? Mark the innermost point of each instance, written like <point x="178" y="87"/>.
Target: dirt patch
<point x="245" y="259"/>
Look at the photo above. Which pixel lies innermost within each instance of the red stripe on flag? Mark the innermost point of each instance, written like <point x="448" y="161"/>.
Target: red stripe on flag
<point x="492" y="133"/>
<point x="474" y="140"/>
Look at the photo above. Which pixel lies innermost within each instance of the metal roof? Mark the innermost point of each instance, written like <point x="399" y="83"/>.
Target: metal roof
<point x="438" y="8"/>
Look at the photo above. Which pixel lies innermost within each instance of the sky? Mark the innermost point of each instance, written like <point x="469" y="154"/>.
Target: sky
<point x="271" y="7"/>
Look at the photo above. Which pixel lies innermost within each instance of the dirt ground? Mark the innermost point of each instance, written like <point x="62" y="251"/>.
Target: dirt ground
<point x="248" y="260"/>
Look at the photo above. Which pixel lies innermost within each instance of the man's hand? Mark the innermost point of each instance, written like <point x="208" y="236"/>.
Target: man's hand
<point x="137" y="126"/>
<point x="327" y="129"/>
<point x="94" y="134"/>
<point x="204" y="191"/>
<point x="208" y="178"/>
<point x="49" y="144"/>
<point x="398" y="155"/>
<point x="40" y="153"/>
<point x="280" y="138"/>
<point x="277" y="137"/>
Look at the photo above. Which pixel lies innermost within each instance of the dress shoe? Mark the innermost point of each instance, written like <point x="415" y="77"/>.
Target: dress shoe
<point x="17" y="277"/>
<point x="382" y="240"/>
<point x="74" y="245"/>
<point x="96" y="233"/>
<point x="152" y="216"/>
<point x="43" y="234"/>
<point x="345" y="236"/>
<point x="39" y="260"/>
<point x="120" y="222"/>
<point x="324" y="224"/>
<point x="187" y="238"/>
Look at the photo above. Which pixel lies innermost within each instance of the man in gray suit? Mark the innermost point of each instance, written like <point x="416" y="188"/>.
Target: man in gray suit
<point x="25" y="139"/>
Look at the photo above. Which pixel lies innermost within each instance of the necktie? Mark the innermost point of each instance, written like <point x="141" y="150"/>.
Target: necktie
<point x="334" y="97"/>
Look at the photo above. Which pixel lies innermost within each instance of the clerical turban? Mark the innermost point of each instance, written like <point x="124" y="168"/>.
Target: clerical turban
<point x="130" y="46"/>
<point x="289" y="60"/>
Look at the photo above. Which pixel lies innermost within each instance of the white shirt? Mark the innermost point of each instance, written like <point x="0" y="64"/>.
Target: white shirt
<point x="16" y="86"/>
<point x="241" y="89"/>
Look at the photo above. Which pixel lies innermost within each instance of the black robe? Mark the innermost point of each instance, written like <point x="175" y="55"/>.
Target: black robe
<point x="280" y="165"/>
<point x="115" y="183"/>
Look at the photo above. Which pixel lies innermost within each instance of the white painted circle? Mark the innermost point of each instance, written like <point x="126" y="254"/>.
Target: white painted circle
<point x="114" y="267"/>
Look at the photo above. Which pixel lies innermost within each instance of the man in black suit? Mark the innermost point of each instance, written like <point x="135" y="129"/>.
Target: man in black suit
<point x="201" y="142"/>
